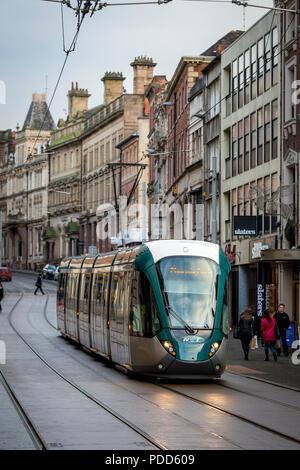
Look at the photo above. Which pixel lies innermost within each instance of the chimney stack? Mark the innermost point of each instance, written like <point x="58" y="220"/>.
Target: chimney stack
<point x="77" y="100"/>
<point x="113" y="86"/>
<point x="143" y="73"/>
<point x="39" y="97"/>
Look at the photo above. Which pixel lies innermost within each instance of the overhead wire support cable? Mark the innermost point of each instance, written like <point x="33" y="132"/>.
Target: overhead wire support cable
<point x="67" y="52"/>
<point x="247" y="4"/>
<point x="262" y="66"/>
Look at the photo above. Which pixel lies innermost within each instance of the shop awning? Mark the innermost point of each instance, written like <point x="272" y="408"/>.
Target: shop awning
<point x="280" y="255"/>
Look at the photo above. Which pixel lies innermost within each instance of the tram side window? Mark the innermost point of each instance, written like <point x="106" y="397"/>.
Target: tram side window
<point x="114" y="294"/>
<point x="61" y="287"/>
<point x="84" y="288"/>
<point x="99" y="294"/>
<point x="144" y="316"/>
<point x="120" y="295"/>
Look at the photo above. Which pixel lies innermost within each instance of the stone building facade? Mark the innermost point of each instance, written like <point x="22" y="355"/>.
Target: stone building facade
<point x="82" y="152"/>
<point x="24" y="179"/>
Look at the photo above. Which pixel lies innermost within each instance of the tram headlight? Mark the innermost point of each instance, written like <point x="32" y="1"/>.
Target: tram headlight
<point x="214" y="348"/>
<point x="168" y="345"/>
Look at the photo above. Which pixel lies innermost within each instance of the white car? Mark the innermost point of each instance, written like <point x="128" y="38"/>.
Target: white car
<point x="56" y="273"/>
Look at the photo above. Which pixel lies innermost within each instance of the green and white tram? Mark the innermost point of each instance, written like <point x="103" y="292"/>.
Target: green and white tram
<point x="155" y="309"/>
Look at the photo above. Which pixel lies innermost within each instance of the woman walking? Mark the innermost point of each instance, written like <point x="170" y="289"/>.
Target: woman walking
<point x="268" y="331"/>
<point x="246" y="330"/>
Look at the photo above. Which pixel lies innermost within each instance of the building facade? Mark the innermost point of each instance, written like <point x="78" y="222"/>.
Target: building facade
<point x="24" y="179"/>
<point x="250" y="164"/>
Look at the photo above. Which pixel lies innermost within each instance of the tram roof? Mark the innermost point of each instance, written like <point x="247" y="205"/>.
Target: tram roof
<point x="163" y="248"/>
<point x="158" y="248"/>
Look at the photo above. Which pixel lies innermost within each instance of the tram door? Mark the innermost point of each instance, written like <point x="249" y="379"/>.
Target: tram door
<point x="98" y="309"/>
<point x="71" y="305"/>
<point x="83" y="309"/>
<point x="119" y="313"/>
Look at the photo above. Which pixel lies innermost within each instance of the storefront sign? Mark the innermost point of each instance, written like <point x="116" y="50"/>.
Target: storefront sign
<point x="244" y="225"/>
<point x="260" y="300"/>
<point x="257" y="249"/>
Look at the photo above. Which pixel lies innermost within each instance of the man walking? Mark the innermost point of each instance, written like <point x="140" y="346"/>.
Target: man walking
<point x="283" y="323"/>
<point x="39" y="285"/>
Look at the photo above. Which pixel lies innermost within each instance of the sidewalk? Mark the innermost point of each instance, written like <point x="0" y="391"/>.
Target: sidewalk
<point x="282" y="372"/>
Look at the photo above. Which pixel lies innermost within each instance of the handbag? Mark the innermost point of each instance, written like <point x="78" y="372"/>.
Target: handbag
<point x="253" y="343"/>
<point x="276" y="331"/>
<point x="236" y="332"/>
<point x="277" y="344"/>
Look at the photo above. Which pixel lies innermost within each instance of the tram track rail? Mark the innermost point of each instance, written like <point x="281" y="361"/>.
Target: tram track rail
<point x="232" y="414"/>
<point x="22" y="412"/>
<point x="150" y="439"/>
<point x="25" y="418"/>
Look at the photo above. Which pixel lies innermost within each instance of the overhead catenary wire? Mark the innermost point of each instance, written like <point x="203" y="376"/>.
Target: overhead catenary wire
<point x="67" y="52"/>
<point x="247" y="4"/>
<point x="259" y="68"/>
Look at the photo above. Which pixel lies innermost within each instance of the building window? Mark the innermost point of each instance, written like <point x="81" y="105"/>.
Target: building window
<point x="240" y="80"/>
<point x="260" y="136"/>
<point x="274" y="129"/>
<point x="253" y="72"/>
<point x="274" y="56"/>
<point x="260" y="66"/>
<point x="267" y="188"/>
<point x="246" y="144"/>
<point x="267" y="133"/>
<point x="240" y="147"/>
<point x="253" y="138"/>
<point x="234" y="85"/>
<point x="234" y="149"/>
<point x="267" y="61"/>
<point x="247" y="77"/>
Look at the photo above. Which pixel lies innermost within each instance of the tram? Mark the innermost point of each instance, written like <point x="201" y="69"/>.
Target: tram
<point x="156" y="309"/>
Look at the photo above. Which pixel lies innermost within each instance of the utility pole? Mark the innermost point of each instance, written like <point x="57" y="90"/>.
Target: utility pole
<point x="144" y="211"/>
<point x="214" y="200"/>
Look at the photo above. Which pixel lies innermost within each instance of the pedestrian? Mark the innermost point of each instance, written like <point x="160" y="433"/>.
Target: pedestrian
<point x="246" y="332"/>
<point x="39" y="285"/>
<point x="1" y="295"/>
<point x="268" y="324"/>
<point x="283" y="323"/>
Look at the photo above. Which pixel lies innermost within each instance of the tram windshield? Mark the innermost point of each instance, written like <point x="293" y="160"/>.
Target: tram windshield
<point x="189" y="285"/>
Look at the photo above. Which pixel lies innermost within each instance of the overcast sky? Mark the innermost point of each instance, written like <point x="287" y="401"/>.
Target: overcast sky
<point x="31" y="46"/>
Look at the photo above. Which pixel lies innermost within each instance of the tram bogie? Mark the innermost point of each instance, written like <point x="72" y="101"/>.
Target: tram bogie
<point x="157" y="309"/>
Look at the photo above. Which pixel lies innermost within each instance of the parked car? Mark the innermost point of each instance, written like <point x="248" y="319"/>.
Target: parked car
<point x="5" y="273"/>
<point x="56" y="273"/>
<point x="48" y="271"/>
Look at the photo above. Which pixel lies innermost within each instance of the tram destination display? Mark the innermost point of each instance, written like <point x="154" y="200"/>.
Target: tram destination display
<point x="244" y="225"/>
